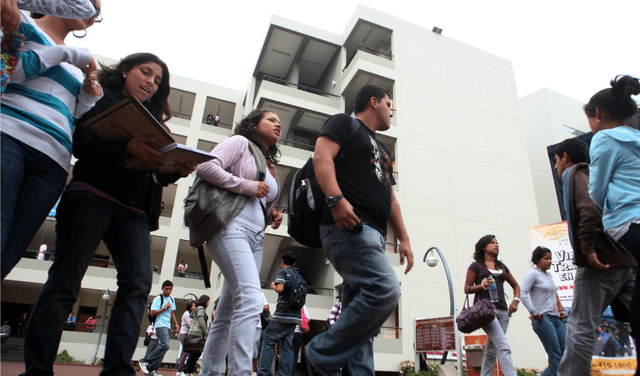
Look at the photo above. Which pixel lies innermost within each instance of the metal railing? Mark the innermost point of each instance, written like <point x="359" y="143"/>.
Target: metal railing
<point x="372" y="51"/>
<point x="298" y="86"/>
<point x="296" y="144"/>
<point x="313" y="290"/>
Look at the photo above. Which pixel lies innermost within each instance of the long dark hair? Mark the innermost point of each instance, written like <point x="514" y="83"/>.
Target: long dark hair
<point x="247" y="128"/>
<point x="615" y="102"/>
<point x="113" y="78"/>
<point x="478" y="255"/>
<point x="202" y="301"/>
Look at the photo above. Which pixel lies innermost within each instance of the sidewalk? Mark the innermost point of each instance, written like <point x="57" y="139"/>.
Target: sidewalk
<point x="15" y="368"/>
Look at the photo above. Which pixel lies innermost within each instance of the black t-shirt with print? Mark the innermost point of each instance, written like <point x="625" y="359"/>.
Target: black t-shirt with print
<point x="364" y="172"/>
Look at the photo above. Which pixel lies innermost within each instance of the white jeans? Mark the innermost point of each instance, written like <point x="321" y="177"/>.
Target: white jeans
<point x="496" y="330"/>
<point x="238" y="253"/>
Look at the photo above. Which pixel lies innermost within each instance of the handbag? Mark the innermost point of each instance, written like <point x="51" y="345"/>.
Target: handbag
<point x="474" y="317"/>
<point x="207" y="208"/>
<point x="193" y="343"/>
<point x="147" y="339"/>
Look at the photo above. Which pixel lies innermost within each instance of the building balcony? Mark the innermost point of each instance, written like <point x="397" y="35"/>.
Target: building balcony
<point x="272" y="89"/>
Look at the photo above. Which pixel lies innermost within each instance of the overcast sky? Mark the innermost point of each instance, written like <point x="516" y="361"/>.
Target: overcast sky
<point x="572" y="47"/>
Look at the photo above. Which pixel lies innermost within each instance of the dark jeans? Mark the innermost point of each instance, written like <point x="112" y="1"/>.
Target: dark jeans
<point x="192" y="360"/>
<point x="552" y="333"/>
<point x="281" y="334"/>
<point x="83" y="220"/>
<point x="31" y="184"/>
<point x="297" y="343"/>
<point x="631" y="241"/>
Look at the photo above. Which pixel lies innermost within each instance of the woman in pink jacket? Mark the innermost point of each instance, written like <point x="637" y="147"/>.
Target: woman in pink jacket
<point x="237" y="248"/>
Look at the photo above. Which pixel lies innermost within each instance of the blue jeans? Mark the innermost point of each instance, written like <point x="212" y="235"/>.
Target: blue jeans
<point x="238" y="253"/>
<point x="154" y="360"/>
<point x="281" y="334"/>
<point x="297" y="343"/>
<point x="552" y="334"/>
<point x="83" y="220"/>
<point x="31" y="184"/>
<point x="370" y="294"/>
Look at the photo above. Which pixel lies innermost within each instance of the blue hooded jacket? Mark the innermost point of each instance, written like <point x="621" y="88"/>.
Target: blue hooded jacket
<point x="614" y="175"/>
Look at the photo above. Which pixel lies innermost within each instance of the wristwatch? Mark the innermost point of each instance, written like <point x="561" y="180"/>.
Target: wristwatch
<point x="333" y="200"/>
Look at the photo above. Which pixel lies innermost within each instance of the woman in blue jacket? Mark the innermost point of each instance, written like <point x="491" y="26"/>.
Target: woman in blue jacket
<point x="614" y="175"/>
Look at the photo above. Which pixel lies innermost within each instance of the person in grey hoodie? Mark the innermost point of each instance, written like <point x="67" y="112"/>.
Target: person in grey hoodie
<point x="614" y="175"/>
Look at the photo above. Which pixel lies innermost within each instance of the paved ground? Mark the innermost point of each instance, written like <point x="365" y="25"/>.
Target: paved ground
<point x="14" y="369"/>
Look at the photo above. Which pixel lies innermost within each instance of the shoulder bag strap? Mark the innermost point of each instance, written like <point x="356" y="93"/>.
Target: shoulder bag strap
<point x="261" y="173"/>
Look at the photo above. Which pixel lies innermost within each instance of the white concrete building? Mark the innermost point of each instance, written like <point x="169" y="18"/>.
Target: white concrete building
<point x="463" y="171"/>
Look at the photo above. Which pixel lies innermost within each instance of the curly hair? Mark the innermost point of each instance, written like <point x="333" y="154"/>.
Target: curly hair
<point x="478" y="255"/>
<point x="113" y="78"/>
<point x="247" y="128"/>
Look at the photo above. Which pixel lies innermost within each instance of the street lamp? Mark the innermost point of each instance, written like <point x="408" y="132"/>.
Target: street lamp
<point x="105" y="297"/>
<point x="431" y="260"/>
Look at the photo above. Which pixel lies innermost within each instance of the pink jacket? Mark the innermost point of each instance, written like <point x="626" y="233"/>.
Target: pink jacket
<point x="233" y="153"/>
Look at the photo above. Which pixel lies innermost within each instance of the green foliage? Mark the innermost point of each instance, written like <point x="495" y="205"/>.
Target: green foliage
<point x="64" y="357"/>
<point x="528" y="372"/>
<point x="407" y="368"/>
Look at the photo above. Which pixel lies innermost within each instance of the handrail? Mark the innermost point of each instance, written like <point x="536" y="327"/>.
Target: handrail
<point x="298" y="86"/>
<point x="296" y="144"/>
<point x="362" y="47"/>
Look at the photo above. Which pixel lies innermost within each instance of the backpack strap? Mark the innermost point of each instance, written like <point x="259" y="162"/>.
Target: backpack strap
<point x="354" y="126"/>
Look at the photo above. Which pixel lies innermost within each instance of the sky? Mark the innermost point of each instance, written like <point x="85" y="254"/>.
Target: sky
<point x="572" y="47"/>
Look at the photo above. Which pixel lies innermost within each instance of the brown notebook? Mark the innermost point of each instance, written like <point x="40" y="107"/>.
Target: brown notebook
<point x="126" y="120"/>
<point x="177" y="154"/>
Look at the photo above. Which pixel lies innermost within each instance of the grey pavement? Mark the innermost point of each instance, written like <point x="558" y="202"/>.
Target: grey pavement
<point x="64" y="369"/>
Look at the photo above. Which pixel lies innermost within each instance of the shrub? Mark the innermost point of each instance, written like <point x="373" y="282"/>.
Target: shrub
<point x="64" y="357"/>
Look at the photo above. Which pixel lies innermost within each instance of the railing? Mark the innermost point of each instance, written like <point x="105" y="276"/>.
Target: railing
<point x="188" y="274"/>
<point x="370" y="50"/>
<point x="220" y="125"/>
<point x="50" y="256"/>
<point x="296" y="144"/>
<point x="298" y="86"/>
<point x="313" y="290"/>
<point x="390" y="332"/>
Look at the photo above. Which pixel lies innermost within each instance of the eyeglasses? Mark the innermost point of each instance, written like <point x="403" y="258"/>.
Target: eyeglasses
<point x="98" y="15"/>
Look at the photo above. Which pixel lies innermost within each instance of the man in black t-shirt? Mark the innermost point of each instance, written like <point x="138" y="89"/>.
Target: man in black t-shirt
<point x="355" y="172"/>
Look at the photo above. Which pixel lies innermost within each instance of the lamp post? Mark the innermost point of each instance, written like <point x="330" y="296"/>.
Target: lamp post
<point x="432" y="261"/>
<point x="105" y="297"/>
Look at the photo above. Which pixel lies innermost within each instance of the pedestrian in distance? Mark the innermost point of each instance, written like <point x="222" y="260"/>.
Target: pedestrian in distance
<point x="163" y="308"/>
<point x="483" y="274"/>
<point x="538" y="293"/>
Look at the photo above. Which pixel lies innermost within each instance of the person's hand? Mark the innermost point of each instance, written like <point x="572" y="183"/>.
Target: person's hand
<point x="486" y="282"/>
<point x="594" y="262"/>
<point x="273" y="285"/>
<point x="139" y="147"/>
<point x="513" y="307"/>
<point x="344" y="216"/>
<point x="10" y="16"/>
<point x="91" y="86"/>
<point x="185" y="169"/>
<point x="406" y="254"/>
<point x="563" y="315"/>
<point x="89" y="68"/>
<point x="177" y="327"/>
<point x="537" y="317"/>
<point x="263" y="189"/>
<point x="276" y="219"/>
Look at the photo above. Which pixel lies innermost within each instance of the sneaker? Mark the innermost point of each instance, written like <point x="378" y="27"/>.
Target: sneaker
<point x="154" y="373"/>
<point x="180" y="374"/>
<point x="143" y="367"/>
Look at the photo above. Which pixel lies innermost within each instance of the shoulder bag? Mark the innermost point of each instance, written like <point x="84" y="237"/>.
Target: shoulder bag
<point x="474" y="317"/>
<point x="207" y="208"/>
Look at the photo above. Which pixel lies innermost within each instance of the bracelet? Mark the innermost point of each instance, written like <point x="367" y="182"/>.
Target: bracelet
<point x="515" y="298"/>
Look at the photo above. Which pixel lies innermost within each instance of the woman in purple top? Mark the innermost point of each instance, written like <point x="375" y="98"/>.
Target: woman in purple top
<point x="484" y="272"/>
<point x="237" y="248"/>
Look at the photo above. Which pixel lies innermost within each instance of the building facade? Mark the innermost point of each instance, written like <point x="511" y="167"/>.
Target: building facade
<point x="461" y="163"/>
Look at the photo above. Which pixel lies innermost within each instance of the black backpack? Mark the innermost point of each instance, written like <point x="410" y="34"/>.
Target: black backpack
<point x="306" y="200"/>
<point x="297" y="289"/>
